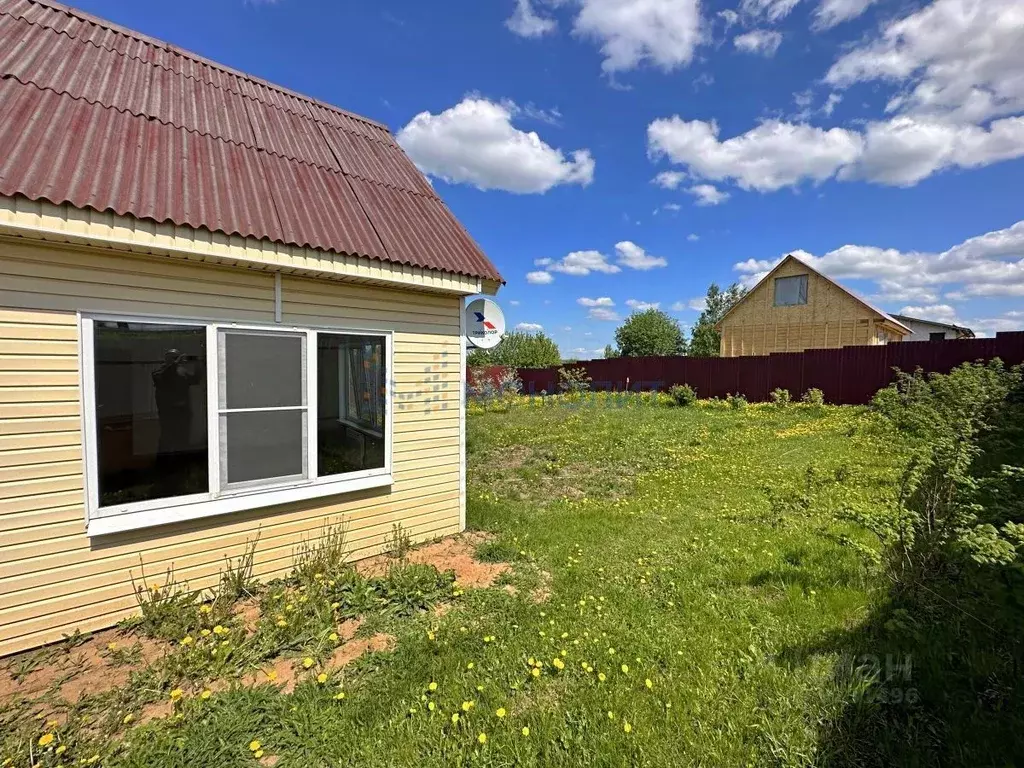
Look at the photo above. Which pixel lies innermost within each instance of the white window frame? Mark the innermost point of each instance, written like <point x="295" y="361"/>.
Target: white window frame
<point x="221" y="500"/>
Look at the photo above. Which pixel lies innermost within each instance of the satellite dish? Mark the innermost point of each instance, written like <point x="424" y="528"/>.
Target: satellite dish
<point x="485" y="323"/>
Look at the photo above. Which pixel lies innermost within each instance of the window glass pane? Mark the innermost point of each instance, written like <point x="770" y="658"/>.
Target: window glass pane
<point x="150" y="411"/>
<point x="261" y="370"/>
<point x="263" y="445"/>
<point x="790" y="291"/>
<point x="351" y="403"/>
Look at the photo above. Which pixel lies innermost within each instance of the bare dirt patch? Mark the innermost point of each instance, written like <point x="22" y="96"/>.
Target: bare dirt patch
<point x="104" y="662"/>
<point x="281" y="672"/>
<point x="248" y="611"/>
<point x="455" y="553"/>
<point x="156" y="711"/>
<point x="348" y="628"/>
<point x="353" y="649"/>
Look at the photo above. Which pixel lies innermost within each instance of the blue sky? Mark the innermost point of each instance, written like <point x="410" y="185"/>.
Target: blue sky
<point x="883" y="139"/>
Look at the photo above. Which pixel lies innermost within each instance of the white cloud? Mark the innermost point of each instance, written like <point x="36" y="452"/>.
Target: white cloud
<point x="475" y="143"/>
<point x="526" y="22"/>
<point x="641" y="306"/>
<point x="771" y="156"/>
<point x="985" y="266"/>
<point x="603" y="301"/>
<point x="959" y="59"/>
<point x="696" y="305"/>
<point x="539" y="278"/>
<point x="729" y="16"/>
<point x="632" y="33"/>
<point x="601" y="313"/>
<point x="673" y="207"/>
<point x="772" y="10"/>
<point x="530" y="327"/>
<point x="513" y="303"/>
<point x="693" y="238"/>
<point x="899" y="152"/>
<point x="708" y="194"/>
<point x="669" y="179"/>
<point x="582" y="263"/>
<point x="760" y="41"/>
<point x="830" y="105"/>
<point x="830" y="13"/>
<point x="633" y="256"/>
<point x="940" y="313"/>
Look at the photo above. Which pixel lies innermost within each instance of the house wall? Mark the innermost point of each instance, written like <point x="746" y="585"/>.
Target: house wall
<point x="53" y="578"/>
<point x="922" y="331"/>
<point x="831" y="318"/>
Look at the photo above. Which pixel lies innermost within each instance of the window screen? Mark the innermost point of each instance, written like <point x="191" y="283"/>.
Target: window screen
<point x="262" y="406"/>
<point x="790" y="291"/>
<point x="351" y="392"/>
<point x="150" y="418"/>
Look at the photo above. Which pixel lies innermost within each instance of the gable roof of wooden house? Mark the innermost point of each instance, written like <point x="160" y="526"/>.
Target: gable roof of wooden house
<point x="104" y="118"/>
<point x="790" y="259"/>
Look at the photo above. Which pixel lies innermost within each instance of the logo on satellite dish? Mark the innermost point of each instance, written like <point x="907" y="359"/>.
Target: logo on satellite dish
<point x="485" y="323"/>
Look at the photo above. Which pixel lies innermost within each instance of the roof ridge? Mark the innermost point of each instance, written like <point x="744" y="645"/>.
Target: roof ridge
<point x="148" y="40"/>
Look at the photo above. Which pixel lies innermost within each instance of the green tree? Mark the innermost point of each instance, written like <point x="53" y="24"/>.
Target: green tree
<point x="650" y="333"/>
<point x="519" y="349"/>
<point x="610" y="352"/>
<point x="705" y="341"/>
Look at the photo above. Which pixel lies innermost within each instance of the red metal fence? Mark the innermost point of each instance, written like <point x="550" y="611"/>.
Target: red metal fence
<point x="848" y="376"/>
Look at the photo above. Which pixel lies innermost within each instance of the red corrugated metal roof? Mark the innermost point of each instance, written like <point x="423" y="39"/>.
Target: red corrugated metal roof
<point x="102" y="117"/>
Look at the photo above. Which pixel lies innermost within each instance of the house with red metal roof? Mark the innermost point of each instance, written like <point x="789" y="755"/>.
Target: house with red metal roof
<point x="227" y="312"/>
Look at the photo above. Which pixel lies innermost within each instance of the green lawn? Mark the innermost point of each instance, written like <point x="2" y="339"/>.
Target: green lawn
<point x="680" y="595"/>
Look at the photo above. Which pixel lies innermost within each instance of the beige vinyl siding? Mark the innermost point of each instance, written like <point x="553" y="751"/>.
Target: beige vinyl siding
<point x="53" y="578"/>
<point x="831" y="318"/>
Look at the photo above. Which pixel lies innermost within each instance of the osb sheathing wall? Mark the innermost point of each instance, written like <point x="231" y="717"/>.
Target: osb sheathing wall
<point x="53" y="578"/>
<point x="831" y="318"/>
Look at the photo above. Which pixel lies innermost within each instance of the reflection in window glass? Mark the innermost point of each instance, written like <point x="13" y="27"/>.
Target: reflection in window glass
<point x="790" y="291"/>
<point x="350" y="402"/>
<point x="150" y="411"/>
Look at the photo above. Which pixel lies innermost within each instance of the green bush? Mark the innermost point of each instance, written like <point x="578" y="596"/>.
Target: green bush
<point x="950" y="505"/>
<point x="780" y="397"/>
<point x="736" y="402"/>
<point x="573" y="381"/>
<point x="682" y="394"/>
<point x="813" y="396"/>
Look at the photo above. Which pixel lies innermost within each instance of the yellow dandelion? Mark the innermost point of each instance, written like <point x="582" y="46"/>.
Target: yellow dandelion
<point x="258" y="754"/>
<point x="187" y="640"/>
<point x="339" y="696"/>
<point x="611" y="715"/>
<point x="206" y="694"/>
<point x="432" y="686"/>
<point x="205" y="608"/>
<point x="430" y="636"/>
<point x="455" y="718"/>
<point x="482" y="738"/>
<point x="282" y="623"/>
<point x="431" y="706"/>
<point x="627" y="727"/>
<point x="625" y="668"/>
<point x="558" y="663"/>
<point x="220" y="630"/>
<point x="467" y="705"/>
<point x="254" y="745"/>
<point x="58" y="751"/>
<point x="272" y="675"/>
<point x="204" y="632"/>
<point x="46" y="739"/>
<point x="321" y="678"/>
<point x="535" y="672"/>
<point x="470" y="665"/>
<point x="601" y="676"/>
<point x="526" y="731"/>
<point x="176" y="694"/>
<point x="648" y="683"/>
<point x="333" y="637"/>
<point x="111" y="646"/>
<point x="500" y="712"/>
<point x="307" y="663"/>
<point x="128" y="718"/>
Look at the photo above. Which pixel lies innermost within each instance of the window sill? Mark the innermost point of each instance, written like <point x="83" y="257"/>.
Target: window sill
<point x="132" y="521"/>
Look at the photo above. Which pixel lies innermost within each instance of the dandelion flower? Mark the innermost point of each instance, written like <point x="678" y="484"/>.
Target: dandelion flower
<point x="535" y="672"/>
<point x="111" y="646"/>
<point x="282" y="623"/>
<point x="526" y="731"/>
<point x="455" y="718"/>
<point x="602" y="676"/>
<point x="205" y="608"/>
<point x="431" y="706"/>
<point x="58" y="751"/>
<point x="204" y="633"/>
<point x="46" y="739"/>
<point x="333" y="637"/>
<point x="648" y="683"/>
<point x="187" y="640"/>
<point x="254" y="745"/>
<point x="558" y="663"/>
<point x="470" y="665"/>
<point x="176" y="694"/>
<point x="627" y="727"/>
<point x="307" y="663"/>
<point x="611" y="651"/>
<point x="500" y="712"/>
<point x="220" y="630"/>
<point x="258" y="754"/>
<point x="432" y="686"/>
<point x="339" y="696"/>
<point x="272" y="675"/>
<point x="128" y="718"/>
<point x="321" y="678"/>
<point x="625" y="668"/>
<point x="206" y="694"/>
<point x="611" y="715"/>
<point x="430" y="636"/>
<point x="467" y="705"/>
<point x="482" y="738"/>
